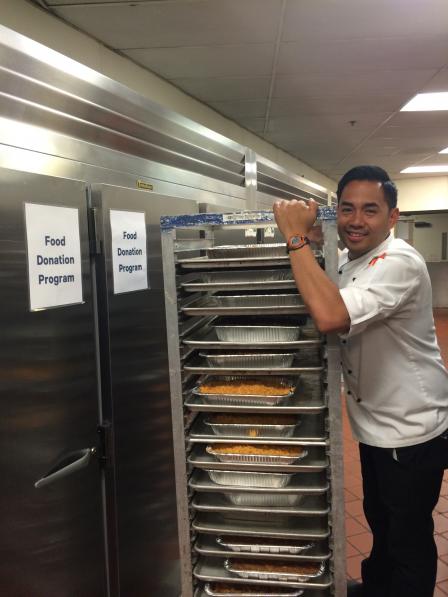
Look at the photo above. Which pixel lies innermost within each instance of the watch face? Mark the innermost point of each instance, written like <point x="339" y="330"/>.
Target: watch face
<point x="294" y="240"/>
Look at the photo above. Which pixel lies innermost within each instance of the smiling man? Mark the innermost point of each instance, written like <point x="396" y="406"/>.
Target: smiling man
<point x="395" y="380"/>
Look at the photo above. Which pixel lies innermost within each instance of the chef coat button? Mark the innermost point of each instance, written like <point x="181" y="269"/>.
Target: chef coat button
<point x="344" y="341"/>
<point x="349" y="371"/>
<point x="349" y="393"/>
<point x="358" y="400"/>
<point x="353" y="279"/>
<point x="340" y="271"/>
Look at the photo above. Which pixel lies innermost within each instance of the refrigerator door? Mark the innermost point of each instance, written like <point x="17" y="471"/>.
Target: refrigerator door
<point x="52" y="538"/>
<point x="133" y="333"/>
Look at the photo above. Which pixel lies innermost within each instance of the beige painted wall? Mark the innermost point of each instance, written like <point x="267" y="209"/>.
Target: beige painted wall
<point x="41" y="26"/>
<point x="423" y="194"/>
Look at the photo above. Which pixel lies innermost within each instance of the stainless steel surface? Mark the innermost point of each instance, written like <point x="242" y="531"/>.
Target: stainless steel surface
<point x="336" y="449"/>
<point x="284" y="527"/>
<point x="257" y="459"/>
<point x="212" y="569"/>
<point x="272" y="304"/>
<point x="48" y="406"/>
<point x="238" y="280"/>
<point x="311" y="430"/>
<point x="266" y="503"/>
<point x="257" y="333"/>
<point x="272" y="547"/>
<point x="314" y="461"/>
<point x="133" y="333"/>
<point x="259" y="574"/>
<point x="249" y="360"/>
<point x="209" y="591"/>
<point x="246" y="251"/>
<point x="249" y="479"/>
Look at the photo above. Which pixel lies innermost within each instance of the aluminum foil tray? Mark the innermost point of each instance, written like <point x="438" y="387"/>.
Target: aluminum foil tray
<point x="209" y="591"/>
<point x="244" y="251"/>
<point x="254" y="458"/>
<point x="247" y="399"/>
<point x="257" y="333"/>
<point x="280" y="576"/>
<point x="253" y="304"/>
<point x="249" y="360"/>
<point x="247" y="479"/>
<point x="271" y="547"/>
<point x="267" y="500"/>
<point x="252" y="430"/>
<point x="241" y="280"/>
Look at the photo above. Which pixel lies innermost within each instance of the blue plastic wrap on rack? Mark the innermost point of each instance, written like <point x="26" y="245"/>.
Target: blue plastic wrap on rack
<point x="234" y="218"/>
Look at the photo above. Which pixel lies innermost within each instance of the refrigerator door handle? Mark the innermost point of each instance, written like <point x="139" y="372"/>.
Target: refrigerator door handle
<point x="66" y="465"/>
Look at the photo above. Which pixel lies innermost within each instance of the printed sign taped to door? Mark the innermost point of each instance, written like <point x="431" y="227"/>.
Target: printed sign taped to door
<point x="129" y="255"/>
<point x="54" y="256"/>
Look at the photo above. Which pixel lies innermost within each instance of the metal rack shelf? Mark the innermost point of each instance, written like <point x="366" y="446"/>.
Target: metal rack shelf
<point x="200" y="290"/>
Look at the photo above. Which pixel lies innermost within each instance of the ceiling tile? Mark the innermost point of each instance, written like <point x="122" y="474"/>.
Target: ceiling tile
<point x="327" y="124"/>
<point x="355" y="19"/>
<point x="347" y="56"/>
<point x="360" y="85"/>
<point x="226" y="88"/>
<point x="176" y="24"/>
<point x="214" y="61"/>
<point x="241" y="109"/>
<point x="336" y="105"/>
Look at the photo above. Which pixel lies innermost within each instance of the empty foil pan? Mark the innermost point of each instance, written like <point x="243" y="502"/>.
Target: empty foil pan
<point x="252" y="430"/>
<point x="265" y="575"/>
<point x="257" y="333"/>
<point x="273" y="546"/>
<point x="266" y="500"/>
<point x="244" y="251"/>
<point x="249" y="360"/>
<point x="254" y="458"/>
<point x="249" y="479"/>
<point x="239" y="591"/>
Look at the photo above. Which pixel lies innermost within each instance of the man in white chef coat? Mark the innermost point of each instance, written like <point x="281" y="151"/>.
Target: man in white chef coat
<point x="396" y="383"/>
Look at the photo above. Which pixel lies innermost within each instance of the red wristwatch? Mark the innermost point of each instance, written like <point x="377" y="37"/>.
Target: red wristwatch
<point x="296" y="241"/>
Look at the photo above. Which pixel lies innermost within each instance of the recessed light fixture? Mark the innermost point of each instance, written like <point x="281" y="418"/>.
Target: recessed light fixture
<point x="424" y="102"/>
<point x="425" y="169"/>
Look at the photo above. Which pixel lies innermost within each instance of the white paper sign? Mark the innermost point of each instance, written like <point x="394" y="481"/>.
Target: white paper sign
<point x="54" y="256"/>
<point x="129" y="260"/>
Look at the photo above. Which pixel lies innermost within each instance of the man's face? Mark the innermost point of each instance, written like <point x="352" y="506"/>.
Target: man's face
<point x="364" y="217"/>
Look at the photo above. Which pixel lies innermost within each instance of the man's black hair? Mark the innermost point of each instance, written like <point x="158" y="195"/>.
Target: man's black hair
<point x="374" y="173"/>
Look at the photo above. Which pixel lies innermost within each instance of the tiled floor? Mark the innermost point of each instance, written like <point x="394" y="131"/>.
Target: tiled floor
<point x="358" y="535"/>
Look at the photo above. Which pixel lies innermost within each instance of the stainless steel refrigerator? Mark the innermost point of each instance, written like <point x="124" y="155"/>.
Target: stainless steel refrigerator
<point x="87" y="506"/>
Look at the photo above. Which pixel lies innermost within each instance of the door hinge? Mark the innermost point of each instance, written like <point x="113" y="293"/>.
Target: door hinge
<point x="104" y="452"/>
<point x="94" y="240"/>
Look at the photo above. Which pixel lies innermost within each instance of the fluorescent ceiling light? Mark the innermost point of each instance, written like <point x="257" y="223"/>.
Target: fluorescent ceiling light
<point x="425" y="169"/>
<point x="444" y="150"/>
<point x="424" y="102"/>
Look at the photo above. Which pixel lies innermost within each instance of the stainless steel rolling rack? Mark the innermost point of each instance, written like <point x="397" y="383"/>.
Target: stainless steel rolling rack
<point x="240" y="516"/>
